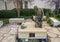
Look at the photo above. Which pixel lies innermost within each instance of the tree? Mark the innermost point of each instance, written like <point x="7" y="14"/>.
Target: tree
<point x="56" y="3"/>
<point x="19" y="5"/>
<point x="26" y="4"/>
<point x="5" y="3"/>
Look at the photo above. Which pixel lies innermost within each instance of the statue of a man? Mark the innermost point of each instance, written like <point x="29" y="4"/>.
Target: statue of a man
<point x="39" y="17"/>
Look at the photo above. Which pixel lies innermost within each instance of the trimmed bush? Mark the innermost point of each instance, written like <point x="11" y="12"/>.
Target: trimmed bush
<point x="23" y="13"/>
<point x="27" y="12"/>
<point x="8" y="13"/>
<point x="13" y="13"/>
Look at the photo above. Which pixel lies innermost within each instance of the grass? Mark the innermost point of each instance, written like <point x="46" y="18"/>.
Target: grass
<point x="5" y="21"/>
<point x="57" y="18"/>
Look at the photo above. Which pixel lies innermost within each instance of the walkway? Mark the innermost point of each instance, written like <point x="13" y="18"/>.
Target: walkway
<point x="8" y="33"/>
<point x="53" y="32"/>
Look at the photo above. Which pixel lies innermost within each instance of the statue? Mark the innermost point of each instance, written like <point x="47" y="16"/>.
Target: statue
<point x="38" y="17"/>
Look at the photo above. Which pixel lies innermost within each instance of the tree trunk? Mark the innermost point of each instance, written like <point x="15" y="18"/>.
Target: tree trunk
<point x="26" y="4"/>
<point x="5" y="6"/>
<point x="18" y="9"/>
<point x="17" y="6"/>
<point x="18" y="12"/>
<point x="57" y="7"/>
<point x="21" y="4"/>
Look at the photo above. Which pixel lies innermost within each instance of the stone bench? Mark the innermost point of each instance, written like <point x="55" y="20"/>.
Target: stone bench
<point x="1" y="23"/>
<point x="54" y="21"/>
<point x="16" y="20"/>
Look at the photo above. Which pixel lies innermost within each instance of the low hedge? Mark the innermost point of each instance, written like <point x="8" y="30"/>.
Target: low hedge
<point x="8" y="13"/>
<point x="27" y="12"/>
<point x="13" y="13"/>
<point x="23" y="13"/>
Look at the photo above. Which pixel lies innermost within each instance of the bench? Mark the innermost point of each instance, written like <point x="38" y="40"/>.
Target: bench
<point x="16" y="20"/>
<point x="54" y="21"/>
<point x="1" y="23"/>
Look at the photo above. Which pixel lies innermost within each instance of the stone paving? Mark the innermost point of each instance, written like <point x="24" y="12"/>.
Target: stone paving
<point x="53" y="32"/>
<point x="9" y="32"/>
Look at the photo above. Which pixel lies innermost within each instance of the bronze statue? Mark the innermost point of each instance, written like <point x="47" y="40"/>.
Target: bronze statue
<point x="39" y="17"/>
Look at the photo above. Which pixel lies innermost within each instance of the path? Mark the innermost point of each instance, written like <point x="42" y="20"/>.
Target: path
<point x="8" y="33"/>
<point x="53" y="32"/>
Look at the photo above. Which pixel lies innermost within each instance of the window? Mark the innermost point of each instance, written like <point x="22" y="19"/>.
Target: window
<point x="32" y="35"/>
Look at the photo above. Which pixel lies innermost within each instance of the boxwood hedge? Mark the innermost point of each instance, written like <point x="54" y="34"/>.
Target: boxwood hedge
<point x="23" y="13"/>
<point x="13" y="13"/>
<point x="8" y="13"/>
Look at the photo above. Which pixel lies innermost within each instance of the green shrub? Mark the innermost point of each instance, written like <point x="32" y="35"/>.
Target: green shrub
<point x="5" y="20"/>
<point x="58" y="15"/>
<point x="26" y="17"/>
<point x="47" y="11"/>
<point x="13" y="13"/>
<point x="27" y="12"/>
<point x="48" y="19"/>
<point x="47" y="16"/>
<point x="23" y="13"/>
<point x="8" y="13"/>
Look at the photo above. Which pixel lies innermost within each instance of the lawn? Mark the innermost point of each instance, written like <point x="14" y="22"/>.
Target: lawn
<point x="57" y="18"/>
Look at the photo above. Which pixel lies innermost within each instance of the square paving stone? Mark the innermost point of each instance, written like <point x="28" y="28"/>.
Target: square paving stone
<point x="54" y="30"/>
<point x="4" y="30"/>
<point x="10" y="38"/>
<point x="55" y="39"/>
<point x="51" y="34"/>
<point x="13" y="31"/>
